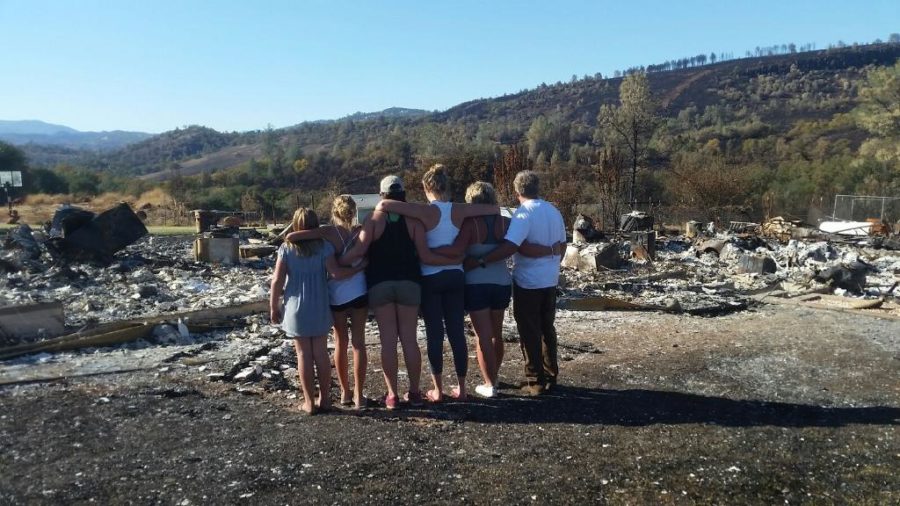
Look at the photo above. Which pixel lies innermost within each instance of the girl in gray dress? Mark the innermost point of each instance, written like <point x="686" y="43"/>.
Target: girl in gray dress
<point x="299" y="301"/>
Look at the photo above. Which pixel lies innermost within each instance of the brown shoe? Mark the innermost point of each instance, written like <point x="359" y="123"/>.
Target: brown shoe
<point x="533" y="389"/>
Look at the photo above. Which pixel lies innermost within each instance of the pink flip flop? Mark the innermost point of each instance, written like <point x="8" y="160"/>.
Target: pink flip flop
<point x="432" y="398"/>
<point x="455" y="395"/>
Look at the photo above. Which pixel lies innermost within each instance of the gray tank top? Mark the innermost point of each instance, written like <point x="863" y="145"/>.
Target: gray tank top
<point x="495" y="273"/>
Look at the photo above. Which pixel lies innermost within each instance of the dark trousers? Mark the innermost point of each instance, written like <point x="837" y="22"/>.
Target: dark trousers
<point x="443" y="305"/>
<point x="535" y="312"/>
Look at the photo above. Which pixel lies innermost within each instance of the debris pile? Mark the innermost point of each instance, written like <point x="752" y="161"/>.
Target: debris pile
<point x="155" y="275"/>
<point x="109" y="277"/>
<point x="708" y="272"/>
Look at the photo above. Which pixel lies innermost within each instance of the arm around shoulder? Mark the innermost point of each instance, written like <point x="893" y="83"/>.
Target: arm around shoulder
<point x="426" y="256"/>
<point x="361" y="245"/>
<point x="423" y="212"/>
<point x="338" y="271"/>
<point x="305" y="235"/>
<point x="471" y="210"/>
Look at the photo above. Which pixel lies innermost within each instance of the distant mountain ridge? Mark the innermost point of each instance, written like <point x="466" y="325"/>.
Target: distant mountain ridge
<point x="40" y="132"/>
<point x="389" y="113"/>
<point x="21" y="132"/>
<point x="32" y="127"/>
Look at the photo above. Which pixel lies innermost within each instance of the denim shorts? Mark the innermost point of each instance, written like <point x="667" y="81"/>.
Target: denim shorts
<point x="488" y="296"/>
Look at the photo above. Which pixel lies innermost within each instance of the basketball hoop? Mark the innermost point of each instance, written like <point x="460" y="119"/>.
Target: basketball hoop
<point x="10" y="179"/>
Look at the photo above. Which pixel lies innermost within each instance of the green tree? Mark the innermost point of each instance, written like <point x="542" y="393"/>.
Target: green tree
<point x="270" y="141"/>
<point x="294" y="153"/>
<point x="879" y="108"/>
<point x="879" y="112"/>
<point x="631" y="124"/>
<point x="176" y="181"/>
<point x="47" y="181"/>
<point x="538" y="137"/>
<point x="205" y="179"/>
<point x="11" y="157"/>
<point x="83" y="182"/>
<point x="299" y="167"/>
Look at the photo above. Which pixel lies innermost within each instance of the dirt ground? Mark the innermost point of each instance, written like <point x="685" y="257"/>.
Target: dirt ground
<point x="770" y="405"/>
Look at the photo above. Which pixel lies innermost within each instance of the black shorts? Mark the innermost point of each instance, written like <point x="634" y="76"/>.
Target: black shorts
<point x="488" y="296"/>
<point x="357" y="303"/>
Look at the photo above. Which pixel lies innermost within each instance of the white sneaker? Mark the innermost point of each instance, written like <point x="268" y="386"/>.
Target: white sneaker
<point x="485" y="391"/>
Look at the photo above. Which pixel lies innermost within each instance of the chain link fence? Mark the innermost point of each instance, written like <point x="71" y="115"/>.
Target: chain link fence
<point x="863" y="207"/>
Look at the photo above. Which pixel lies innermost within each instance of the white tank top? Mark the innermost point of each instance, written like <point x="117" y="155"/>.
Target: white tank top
<point x="442" y="235"/>
<point x="344" y="290"/>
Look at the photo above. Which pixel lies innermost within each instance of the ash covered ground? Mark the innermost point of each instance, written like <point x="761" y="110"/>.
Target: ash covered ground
<point x="759" y="404"/>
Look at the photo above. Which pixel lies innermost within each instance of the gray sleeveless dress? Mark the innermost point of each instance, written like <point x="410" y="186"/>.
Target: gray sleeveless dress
<point x="305" y="304"/>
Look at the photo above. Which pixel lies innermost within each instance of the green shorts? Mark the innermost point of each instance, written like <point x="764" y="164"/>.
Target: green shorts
<point x="404" y="293"/>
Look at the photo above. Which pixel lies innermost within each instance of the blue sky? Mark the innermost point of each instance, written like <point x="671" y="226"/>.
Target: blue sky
<point x="154" y="65"/>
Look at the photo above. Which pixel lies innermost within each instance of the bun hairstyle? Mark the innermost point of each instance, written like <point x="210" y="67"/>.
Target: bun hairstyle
<point x="437" y="181"/>
<point x="343" y="211"/>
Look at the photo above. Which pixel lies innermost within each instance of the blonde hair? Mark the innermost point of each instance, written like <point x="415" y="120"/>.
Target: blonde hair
<point x="437" y="181"/>
<point x="480" y="192"/>
<point x="305" y="219"/>
<point x="343" y="211"/>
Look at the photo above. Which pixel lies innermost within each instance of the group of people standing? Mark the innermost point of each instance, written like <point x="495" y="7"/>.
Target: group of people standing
<point x="440" y="259"/>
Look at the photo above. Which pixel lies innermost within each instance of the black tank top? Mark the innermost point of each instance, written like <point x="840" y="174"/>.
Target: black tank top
<point x="392" y="257"/>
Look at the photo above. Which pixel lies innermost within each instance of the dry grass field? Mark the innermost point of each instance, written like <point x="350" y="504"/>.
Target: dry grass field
<point x="39" y="208"/>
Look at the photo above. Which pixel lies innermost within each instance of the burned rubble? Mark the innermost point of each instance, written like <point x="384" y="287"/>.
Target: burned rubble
<point x="153" y="276"/>
<point x="154" y="291"/>
<point x="703" y="271"/>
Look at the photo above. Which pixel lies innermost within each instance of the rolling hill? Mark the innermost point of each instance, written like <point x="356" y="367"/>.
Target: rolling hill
<point x="819" y="76"/>
<point x="783" y="120"/>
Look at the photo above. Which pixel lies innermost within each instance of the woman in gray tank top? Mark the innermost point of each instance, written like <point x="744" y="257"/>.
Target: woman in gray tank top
<point x="488" y="287"/>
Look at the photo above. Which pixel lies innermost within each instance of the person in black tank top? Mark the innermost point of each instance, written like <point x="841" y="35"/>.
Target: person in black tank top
<point x="393" y="257"/>
<point x="395" y="246"/>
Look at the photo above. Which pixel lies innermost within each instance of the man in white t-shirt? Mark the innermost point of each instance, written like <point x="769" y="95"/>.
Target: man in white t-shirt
<point x="535" y="280"/>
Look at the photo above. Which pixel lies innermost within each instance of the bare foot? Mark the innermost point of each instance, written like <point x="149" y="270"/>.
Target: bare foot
<point x="459" y="394"/>
<point x="347" y="398"/>
<point x="323" y="404"/>
<point x="434" y="395"/>
<point x="307" y="407"/>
